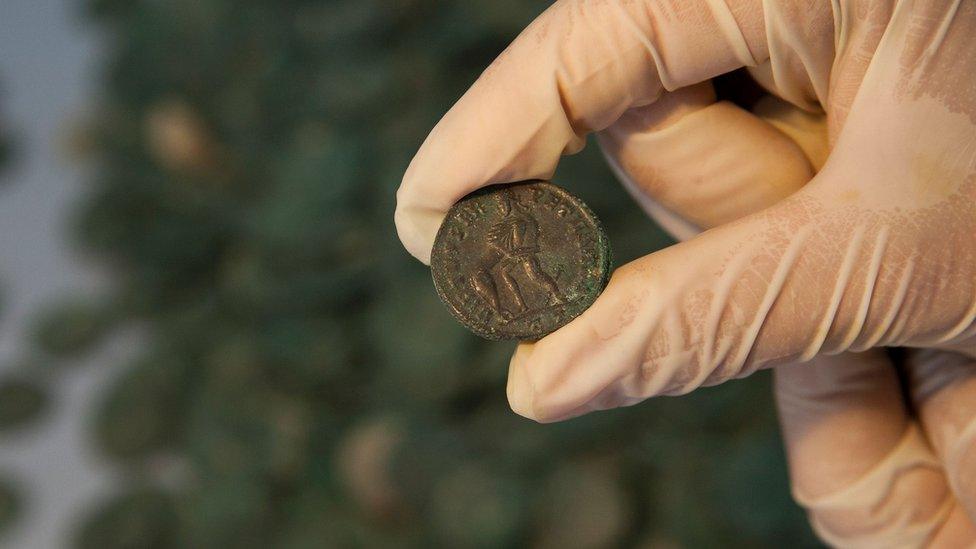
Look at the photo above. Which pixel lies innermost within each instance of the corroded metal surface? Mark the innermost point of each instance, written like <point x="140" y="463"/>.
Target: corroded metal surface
<point x="518" y="261"/>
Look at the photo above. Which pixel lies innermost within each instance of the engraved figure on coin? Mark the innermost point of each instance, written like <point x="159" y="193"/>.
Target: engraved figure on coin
<point x="513" y="245"/>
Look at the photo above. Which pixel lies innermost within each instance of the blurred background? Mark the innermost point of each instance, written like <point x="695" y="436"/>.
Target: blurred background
<point x="210" y="336"/>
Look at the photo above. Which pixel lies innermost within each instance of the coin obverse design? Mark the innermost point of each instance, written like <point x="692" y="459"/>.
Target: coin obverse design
<point x="520" y="260"/>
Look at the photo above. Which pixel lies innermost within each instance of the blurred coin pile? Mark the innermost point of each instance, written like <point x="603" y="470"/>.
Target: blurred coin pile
<point x="22" y="402"/>
<point x="301" y="386"/>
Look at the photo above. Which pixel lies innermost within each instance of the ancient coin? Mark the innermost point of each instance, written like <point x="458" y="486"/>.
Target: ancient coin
<point x="519" y="261"/>
<point x="21" y="403"/>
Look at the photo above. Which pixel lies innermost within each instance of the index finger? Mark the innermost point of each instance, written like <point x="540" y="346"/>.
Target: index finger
<point x="574" y="70"/>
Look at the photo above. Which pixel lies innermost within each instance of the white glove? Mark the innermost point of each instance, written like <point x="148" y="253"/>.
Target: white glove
<point x="877" y="248"/>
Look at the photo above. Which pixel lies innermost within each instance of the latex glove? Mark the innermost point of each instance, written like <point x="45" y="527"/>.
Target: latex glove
<point x="875" y="250"/>
<point x="857" y="459"/>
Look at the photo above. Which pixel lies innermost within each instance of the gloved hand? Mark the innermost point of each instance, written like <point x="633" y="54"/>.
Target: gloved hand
<point x="805" y="262"/>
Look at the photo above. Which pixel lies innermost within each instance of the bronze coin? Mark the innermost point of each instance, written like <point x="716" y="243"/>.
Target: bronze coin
<point x="520" y="260"/>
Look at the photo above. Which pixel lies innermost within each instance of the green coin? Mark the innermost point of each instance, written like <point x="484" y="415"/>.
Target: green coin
<point x="144" y="517"/>
<point x="11" y="502"/>
<point x="520" y="260"/>
<point x="70" y="327"/>
<point x="21" y="402"/>
<point x="142" y="412"/>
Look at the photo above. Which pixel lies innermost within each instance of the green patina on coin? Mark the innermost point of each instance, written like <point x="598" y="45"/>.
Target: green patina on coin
<point x="519" y="261"/>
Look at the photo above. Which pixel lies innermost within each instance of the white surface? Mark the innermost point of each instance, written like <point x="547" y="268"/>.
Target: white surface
<point x="46" y="80"/>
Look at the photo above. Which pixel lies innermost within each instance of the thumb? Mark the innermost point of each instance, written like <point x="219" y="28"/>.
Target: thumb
<point x="782" y="285"/>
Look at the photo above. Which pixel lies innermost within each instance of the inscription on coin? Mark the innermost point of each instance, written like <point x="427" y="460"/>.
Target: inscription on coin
<point x="519" y="261"/>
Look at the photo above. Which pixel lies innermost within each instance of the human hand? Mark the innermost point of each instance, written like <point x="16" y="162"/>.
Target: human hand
<point x="873" y="249"/>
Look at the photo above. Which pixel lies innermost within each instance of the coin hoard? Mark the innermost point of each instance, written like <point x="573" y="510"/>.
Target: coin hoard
<point x="520" y="260"/>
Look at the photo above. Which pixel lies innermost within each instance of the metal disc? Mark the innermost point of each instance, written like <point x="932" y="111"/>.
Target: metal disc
<point x="520" y="260"/>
